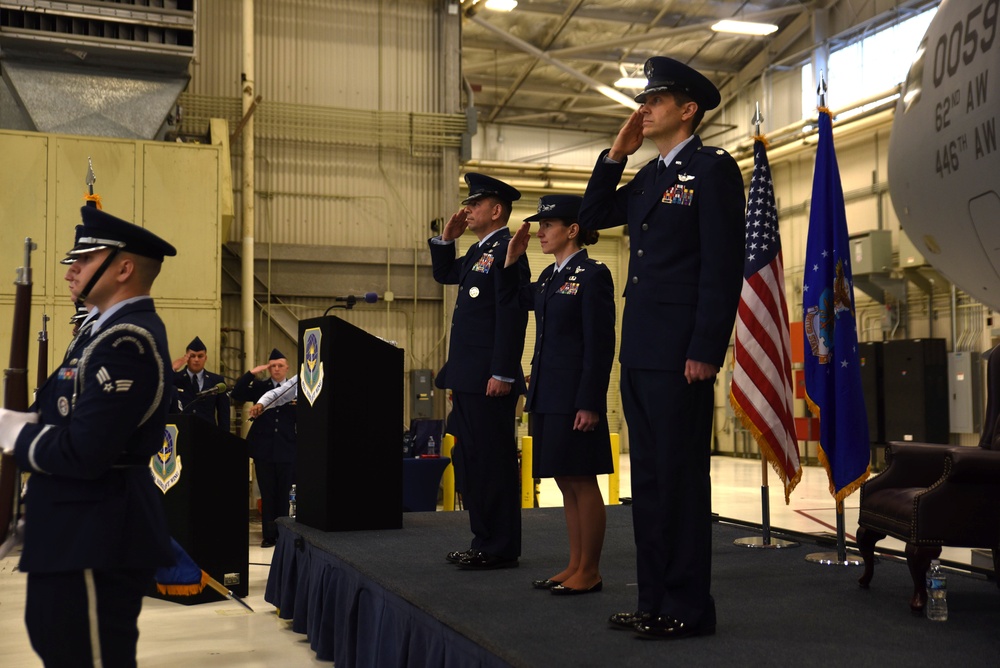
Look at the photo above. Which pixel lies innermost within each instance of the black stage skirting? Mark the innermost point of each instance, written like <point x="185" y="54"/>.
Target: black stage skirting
<point x="388" y="598"/>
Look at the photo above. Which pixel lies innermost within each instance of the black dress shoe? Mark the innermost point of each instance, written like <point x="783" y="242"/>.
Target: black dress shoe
<point x="668" y="628"/>
<point x="458" y="555"/>
<point x="626" y="621"/>
<point x="545" y="584"/>
<point x="267" y="542"/>
<point x="480" y="561"/>
<point x="560" y="590"/>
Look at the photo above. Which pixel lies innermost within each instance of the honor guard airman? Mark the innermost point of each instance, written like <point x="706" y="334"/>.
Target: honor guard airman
<point x="95" y="525"/>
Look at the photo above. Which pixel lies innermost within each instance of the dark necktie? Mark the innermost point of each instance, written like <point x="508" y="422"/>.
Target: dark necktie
<point x="196" y="381"/>
<point x="660" y="168"/>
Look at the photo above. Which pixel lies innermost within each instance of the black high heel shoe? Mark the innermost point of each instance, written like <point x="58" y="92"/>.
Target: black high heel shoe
<point x="560" y="590"/>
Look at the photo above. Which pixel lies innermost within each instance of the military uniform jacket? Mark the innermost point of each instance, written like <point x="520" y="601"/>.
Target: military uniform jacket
<point x="91" y="500"/>
<point x="574" y="338"/>
<point x="687" y="230"/>
<point x="272" y="436"/>
<point x="214" y="409"/>
<point x="487" y="326"/>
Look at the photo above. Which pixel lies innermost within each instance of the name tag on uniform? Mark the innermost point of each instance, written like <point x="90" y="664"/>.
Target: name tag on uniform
<point x="678" y="194"/>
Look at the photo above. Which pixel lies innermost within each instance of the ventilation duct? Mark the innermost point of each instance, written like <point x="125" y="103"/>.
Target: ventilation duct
<point x="95" y="67"/>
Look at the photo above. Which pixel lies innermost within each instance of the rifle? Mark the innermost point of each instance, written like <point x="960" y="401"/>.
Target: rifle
<point x="43" y="353"/>
<point x="15" y="390"/>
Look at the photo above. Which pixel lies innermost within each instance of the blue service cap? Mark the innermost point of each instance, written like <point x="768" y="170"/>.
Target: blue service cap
<point x="196" y="345"/>
<point x="481" y="185"/>
<point x="101" y="230"/>
<point x="563" y="207"/>
<point x="666" y="74"/>
<point x="276" y="355"/>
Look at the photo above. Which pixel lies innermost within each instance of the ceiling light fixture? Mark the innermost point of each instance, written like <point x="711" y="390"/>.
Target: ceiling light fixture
<point x="501" y="5"/>
<point x="743" y="27"/>
<point x="631" y="82"/>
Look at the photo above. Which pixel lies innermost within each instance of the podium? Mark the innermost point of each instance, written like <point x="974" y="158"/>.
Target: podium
<point x="348" y="471"/>
<point x="207" y="507"/>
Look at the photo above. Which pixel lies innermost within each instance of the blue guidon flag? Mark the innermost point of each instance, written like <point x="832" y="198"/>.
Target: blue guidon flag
<point x="165" y="465"/>
<point x="832" y="363"/>
<point x="311" y="373"/>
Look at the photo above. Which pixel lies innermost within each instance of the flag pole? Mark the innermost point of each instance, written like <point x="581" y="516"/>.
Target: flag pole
<point x="764" y="540"/>
<point x="840" y="557"/>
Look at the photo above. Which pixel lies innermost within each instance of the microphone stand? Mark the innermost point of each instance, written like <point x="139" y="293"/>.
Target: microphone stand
<point x="349" y="304"/>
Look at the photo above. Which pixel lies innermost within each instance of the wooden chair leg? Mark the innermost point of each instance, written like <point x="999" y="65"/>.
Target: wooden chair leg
<point x="866" y="546"/>
<point x="918" y="558"/>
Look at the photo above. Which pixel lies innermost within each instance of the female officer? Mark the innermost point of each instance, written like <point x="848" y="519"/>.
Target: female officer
<point x="574" y="308"/>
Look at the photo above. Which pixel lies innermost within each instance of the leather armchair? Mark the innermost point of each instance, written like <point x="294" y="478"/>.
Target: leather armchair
<point x="930" y="496"/>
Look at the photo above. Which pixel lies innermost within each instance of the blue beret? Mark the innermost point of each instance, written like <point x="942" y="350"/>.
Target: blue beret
<point x="666" y="74"/>
<point x="563" y="207"/>
<point x="481" y="185"/>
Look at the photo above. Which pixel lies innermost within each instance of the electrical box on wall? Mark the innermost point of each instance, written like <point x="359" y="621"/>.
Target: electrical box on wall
<point x="421" y="393"/>
<point x="963" y="393"/>
<point x="871" y="252"/>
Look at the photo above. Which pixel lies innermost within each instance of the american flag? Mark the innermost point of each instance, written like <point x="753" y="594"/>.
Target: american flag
<point x="761" y="392"/>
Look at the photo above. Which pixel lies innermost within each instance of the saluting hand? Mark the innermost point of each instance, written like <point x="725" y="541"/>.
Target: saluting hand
<point x="629" y="138"/>
<point x="518" y="244"/>
<point x="455" y="226"/>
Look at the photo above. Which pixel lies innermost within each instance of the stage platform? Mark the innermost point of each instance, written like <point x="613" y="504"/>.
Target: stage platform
<point x="389" y="598"/>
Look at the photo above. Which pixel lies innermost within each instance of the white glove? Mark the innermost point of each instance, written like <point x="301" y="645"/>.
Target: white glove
<point x="11" y="424"/>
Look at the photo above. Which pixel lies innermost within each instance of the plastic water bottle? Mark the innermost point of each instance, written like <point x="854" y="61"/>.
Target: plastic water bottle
<point x="431" y="447"/>
<point x="291" y="502"/>
<point x="937" y="593"/>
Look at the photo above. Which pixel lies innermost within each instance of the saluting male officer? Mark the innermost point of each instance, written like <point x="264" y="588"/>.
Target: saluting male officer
<point x="483" y="370"/>
<point x="684" y="212"/>
<point x="195" y="379"/>
<point x="96" y="530"/>
<point x="271" y="439"/>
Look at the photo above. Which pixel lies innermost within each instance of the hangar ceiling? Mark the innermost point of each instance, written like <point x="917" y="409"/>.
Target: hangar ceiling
<point x="546" y="62"/>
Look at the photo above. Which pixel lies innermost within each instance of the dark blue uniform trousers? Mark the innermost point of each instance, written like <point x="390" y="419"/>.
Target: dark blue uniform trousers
<point x="670" y="431"/>
<point x="487" y="457"/>
<point x="67" y="612"/>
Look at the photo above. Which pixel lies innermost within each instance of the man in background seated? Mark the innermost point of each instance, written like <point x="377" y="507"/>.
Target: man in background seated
<point x="271" y="439"/>
<point x="194" y="380"/>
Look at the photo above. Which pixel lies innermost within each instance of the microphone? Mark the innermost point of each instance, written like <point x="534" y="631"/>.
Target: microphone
<point x="221" y="387"/>
<point x="368" y="298"/>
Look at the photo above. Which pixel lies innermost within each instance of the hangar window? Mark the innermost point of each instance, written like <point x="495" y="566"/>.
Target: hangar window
<point x="866" y="66"/>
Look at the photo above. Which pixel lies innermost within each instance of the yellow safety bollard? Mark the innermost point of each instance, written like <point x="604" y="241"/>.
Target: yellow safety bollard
<point x="613" y="478"/>
<point x="527" y="481"/>
<point x="448" y="478"/>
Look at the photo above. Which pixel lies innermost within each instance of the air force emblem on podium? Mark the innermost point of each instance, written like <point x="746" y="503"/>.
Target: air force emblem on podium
<point x="311" y="373"/>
